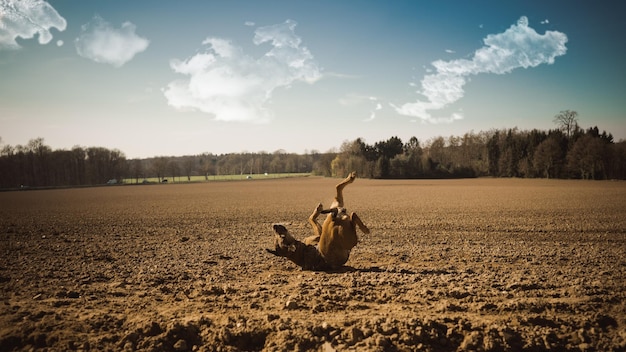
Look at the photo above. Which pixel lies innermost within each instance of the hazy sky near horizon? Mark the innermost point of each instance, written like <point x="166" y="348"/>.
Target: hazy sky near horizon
<point x="186" y="77"/>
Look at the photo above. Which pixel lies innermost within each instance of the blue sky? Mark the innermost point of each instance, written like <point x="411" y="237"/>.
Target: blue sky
<point x="185" y="77"/>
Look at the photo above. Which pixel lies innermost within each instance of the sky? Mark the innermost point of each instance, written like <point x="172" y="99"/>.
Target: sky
<point x="173" y="78"/>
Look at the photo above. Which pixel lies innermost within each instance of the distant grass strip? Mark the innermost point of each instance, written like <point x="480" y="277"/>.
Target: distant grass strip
<point x="211" y="178"/>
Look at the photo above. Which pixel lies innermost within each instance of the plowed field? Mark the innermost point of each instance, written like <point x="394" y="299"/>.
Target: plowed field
<point x="480" y="264"/>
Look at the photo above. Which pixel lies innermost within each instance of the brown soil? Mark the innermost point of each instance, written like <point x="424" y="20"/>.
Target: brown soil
<point x="483" y="264"/>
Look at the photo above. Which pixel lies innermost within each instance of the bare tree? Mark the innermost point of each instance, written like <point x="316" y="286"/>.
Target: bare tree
<point x="159" y="166"/>
<point x="547" y="157"/>
<point x="174" y="169"/>
<point x="189" y="164"/>
<point x="136" y="169"/>
<point x="587" y="157"/>
<point x="567" y="121"/>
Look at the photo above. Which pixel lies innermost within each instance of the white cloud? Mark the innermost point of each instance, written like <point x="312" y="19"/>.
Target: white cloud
<point x="102" y="43"/>
<point x="378" y="107"/>
<point x="25" y="18"/>
<point x="225" y="82"/>
<point x="518" y="47"/>
<point x="546" y="21"/>
<point x="353" y="99"/>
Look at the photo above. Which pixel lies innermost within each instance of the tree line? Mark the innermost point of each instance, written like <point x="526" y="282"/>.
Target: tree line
<point x="564" y="152"/>
<point x="587" y="154"/>
<point x="567" y="151"/>
<point x="37" y="165"/>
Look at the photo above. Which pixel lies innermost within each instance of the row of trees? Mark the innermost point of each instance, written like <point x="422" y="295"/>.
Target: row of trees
<point x="565" y="152"/>
<point x="36" y="164"/>
<point x="207" y="165"/>
<point x="500" y="153"/>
